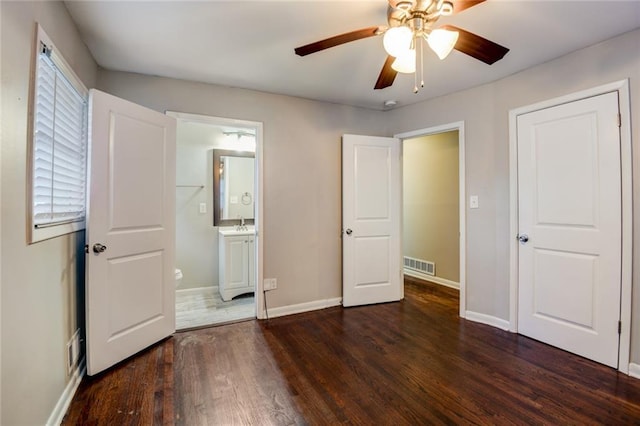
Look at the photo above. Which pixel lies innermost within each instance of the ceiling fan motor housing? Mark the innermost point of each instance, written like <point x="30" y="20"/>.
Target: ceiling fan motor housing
<point x="418" y="15"/>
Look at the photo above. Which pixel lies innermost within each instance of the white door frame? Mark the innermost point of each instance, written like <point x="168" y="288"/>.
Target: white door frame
<point x="459" y="126"/>
<point x="622" y="87"/>
<point x="259" y="210"/>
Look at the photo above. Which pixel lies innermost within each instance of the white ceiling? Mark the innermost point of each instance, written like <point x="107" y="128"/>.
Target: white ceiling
<point x="249" y="44"/>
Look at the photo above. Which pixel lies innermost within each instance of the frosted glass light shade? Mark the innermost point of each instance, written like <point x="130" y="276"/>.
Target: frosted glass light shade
<point x="442" y="42"/>
<point x="397" y="41"/>
<point x="405" y="63"/>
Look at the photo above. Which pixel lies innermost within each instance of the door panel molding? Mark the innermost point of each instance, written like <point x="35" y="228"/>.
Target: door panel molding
<point x="620" y="87"/>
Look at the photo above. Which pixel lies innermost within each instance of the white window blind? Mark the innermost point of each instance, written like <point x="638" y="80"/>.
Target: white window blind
<point x="59" y="146"/>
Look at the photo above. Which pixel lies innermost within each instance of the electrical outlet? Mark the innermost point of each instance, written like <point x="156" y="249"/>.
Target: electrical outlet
<point x="203" y="207"/>
<point x="270" y="284"/>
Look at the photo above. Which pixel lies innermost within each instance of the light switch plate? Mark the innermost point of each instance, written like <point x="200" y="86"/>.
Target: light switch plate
<point x="473" y="202"/>
<point x="203" y="207"/>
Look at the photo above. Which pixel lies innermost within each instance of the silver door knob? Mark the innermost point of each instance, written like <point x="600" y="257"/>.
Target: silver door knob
<point x="523" y="238"/>
<point x="99" y="248"/>
<point x="348" y="231"/>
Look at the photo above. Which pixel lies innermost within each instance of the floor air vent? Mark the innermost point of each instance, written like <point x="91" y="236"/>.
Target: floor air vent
<point x="423" y="266"/>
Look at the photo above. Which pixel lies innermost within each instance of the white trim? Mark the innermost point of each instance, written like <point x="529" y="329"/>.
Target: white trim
<point x="259" y="177"/>
<point x="259" y="237"/>
<point x="432" y="278"/>
<point x="459" y="126"/>
<point x="622" y="87"/>
<point x="304" y="307"/>
<point x="59" y="411"/>
<point x="634" y="370"/>
<point x="626" y="171"/>
<point x="487" y="319"/>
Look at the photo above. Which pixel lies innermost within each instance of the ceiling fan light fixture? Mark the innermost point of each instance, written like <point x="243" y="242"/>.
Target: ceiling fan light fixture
<point x="442" y="41"/>
<point x="397" y="41"/>
<point x="406" y="63"/>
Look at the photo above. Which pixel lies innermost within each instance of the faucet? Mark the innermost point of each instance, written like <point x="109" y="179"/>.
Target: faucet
<point x="242" y="226"/>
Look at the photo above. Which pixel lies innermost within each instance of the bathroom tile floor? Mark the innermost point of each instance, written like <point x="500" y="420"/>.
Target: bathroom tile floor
<point x="204" y="306"/>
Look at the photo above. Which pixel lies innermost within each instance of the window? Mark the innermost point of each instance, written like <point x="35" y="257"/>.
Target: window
<point x="58" y="145"/>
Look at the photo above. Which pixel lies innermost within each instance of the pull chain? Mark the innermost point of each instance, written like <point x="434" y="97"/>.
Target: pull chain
<point x="415" y="74"/>
<point x="421" y="62"/>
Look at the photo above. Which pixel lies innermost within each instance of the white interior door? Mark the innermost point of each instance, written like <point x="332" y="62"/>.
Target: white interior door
<point x="569" y="207"/>
<point x="371" y="206"/>
<point x="130" y="297"/>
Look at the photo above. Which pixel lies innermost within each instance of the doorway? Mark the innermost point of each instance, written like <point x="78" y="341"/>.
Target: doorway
<point x="218" y="206"/>
<point x="434" y="206"/>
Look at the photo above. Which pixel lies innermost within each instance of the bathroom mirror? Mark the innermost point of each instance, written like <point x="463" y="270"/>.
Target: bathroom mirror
<point x="233" y="187"/>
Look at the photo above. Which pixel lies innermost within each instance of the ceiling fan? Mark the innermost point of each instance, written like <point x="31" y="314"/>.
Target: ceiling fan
<point x="412" y="22"/>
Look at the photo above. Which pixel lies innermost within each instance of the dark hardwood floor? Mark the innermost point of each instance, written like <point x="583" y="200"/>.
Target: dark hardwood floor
<point x="412" y="362"/>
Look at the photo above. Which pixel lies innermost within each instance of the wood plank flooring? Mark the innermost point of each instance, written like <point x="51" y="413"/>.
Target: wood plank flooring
<point x="411" y="362"/>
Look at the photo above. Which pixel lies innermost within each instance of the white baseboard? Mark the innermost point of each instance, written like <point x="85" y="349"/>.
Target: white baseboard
<point x="304" y="307"/>
<point x="61" y="407"/>
<point x="197" y="290"/>
<point x="634" y="370"/>
<point x="438" y="280"/>
<point x="487" y="319"/>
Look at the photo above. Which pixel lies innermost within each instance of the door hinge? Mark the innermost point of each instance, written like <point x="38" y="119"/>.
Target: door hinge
<point x="619" y="327"/>
<point x="619" y="120"/>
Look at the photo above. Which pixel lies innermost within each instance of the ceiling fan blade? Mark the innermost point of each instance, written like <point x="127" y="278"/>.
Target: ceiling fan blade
<point x="336" y="40"/>
<point x="387" y="74"/>
<point x="477" y="47"/>
<point x="460" y="5"/>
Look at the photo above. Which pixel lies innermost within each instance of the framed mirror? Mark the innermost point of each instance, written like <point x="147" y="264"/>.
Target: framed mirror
<point x="233" y="187"/>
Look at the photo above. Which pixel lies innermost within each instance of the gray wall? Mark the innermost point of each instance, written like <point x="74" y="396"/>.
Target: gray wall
<point x="431" y="217"/>
<point x="302" y="172"/>
<point x="41" y="282"/>
<point x="485" y="111"/>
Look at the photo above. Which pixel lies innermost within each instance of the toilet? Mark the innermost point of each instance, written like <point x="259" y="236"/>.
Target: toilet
<point x="178" y="277"/>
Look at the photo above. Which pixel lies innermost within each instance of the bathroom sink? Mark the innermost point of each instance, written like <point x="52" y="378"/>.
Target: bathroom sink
<point x="232" y="230"/>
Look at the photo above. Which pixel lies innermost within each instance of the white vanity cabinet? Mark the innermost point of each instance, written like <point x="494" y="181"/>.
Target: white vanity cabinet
<point x="237" y="262"/>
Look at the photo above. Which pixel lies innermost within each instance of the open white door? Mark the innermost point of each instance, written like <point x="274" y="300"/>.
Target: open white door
<point x="569" y="194"/>
<point x="371" y="206"/>
<point x="130" y="289"/>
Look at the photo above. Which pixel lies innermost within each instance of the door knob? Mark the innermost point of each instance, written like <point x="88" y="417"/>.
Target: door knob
<point x="99" y="248"/>
<point x="523" y="238"/>
<point x="348" y="231"/>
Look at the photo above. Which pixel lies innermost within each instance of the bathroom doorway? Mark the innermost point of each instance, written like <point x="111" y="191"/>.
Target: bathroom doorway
<point x="218" y="205"/>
